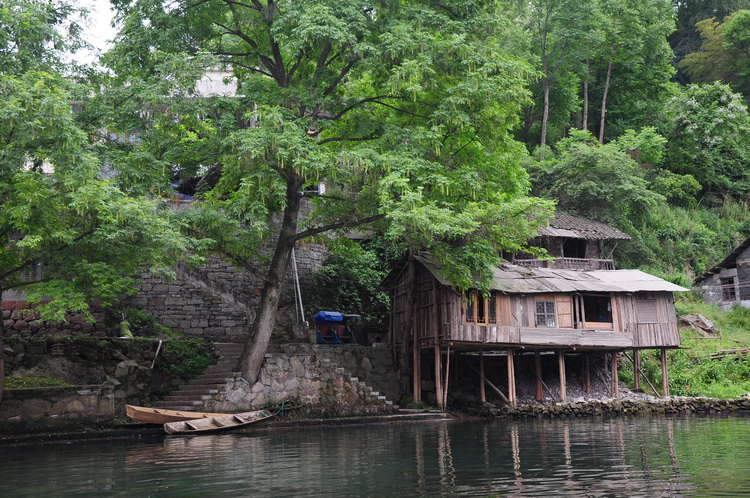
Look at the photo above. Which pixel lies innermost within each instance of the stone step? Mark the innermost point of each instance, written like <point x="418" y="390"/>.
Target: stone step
<point x="193" y="392"/>
<point x="186" y="398"/>
<point x="164" y="404"/>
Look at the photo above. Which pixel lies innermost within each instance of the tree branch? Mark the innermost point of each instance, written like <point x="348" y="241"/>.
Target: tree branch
<point x="346" y="139"/>
<point x="333" y="226"/>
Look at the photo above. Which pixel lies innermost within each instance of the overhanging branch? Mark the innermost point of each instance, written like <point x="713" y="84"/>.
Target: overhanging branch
<point x="335" y="226"/>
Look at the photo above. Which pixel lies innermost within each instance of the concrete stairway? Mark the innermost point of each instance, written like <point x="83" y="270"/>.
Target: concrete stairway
<point x="191" y="396"/>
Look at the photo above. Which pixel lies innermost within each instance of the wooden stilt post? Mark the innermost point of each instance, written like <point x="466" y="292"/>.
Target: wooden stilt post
<point x="636" y="369"/>
<point x="561" y="367"/>
<point x="482" y="393"/>
<point x="511" y="377"/>
<point x="447" y="377"/>
<point x="586" y="373"/>
<point x="664" y="374"/>
<point x="439" y="377"/>
<point x="417" y="371"/>
<point x="615" y="377"/>
<point x="538" y="370"/>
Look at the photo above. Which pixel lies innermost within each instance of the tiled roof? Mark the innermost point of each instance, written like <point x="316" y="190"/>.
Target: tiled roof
<point x="576" y="227"/>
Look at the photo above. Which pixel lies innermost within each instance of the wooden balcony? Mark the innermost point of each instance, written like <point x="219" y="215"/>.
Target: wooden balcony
<point x="542" y="336"/>
<point x="568" y="263"/>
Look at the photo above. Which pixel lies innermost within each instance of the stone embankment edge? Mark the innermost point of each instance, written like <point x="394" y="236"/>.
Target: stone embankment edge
<point x="588" y="408"/>
<point x="591" y="408"/>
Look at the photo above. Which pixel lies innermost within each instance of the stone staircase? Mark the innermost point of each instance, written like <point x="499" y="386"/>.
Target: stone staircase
<point x="194" y="395"/>
<point x="191" y="396"/>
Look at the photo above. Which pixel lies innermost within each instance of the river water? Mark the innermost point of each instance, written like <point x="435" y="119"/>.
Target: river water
<point x="628" y="456"/>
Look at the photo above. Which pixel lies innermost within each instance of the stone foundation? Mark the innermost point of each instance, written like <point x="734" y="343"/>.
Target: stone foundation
<point x="589" y="408"/>
<point x="56" y="408"/>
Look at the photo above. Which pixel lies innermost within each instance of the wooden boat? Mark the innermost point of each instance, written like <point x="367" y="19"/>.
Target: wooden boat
<point x="219" y="423"/>
<point x="162" y="415"/>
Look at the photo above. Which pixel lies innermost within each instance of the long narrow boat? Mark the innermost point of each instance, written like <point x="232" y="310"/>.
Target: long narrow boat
<point x="162" y="415"/>
<point x="213" y="424"/>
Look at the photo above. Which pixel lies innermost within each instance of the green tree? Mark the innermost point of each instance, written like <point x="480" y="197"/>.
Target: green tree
<point x="635" y="58"/>
<point x="597" y="181"/>
<point x="708" y="133"/>
<point x="559" y="31"/>
<point x="402" y="109"/>
<point x="724" y="54"/>
<point x="68" y="236"/>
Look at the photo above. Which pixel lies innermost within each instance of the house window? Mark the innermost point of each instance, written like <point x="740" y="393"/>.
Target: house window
<point x="597" y="309"/>
<point x="646" y="309"/>
<point x="480" y="309"/>
<point x="545" y="314"/>
<point x="728" y="291"/>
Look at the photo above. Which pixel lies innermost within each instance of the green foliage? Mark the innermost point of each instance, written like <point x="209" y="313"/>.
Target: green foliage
<point x="600" y="182"/>
<point x="708" y="129"/>
<point x="647" y="142"/>
<point x="349" y="278"/>
<point x="188" y="356"/>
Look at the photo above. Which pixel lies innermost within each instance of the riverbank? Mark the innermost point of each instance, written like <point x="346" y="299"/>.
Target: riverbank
<point x="551" y="410"/>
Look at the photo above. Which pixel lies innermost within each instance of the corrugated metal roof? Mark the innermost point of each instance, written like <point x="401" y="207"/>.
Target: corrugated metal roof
<point x="514" y="279"/>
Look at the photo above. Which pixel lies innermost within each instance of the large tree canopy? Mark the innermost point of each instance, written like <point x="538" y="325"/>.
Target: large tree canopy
<point x="68" y="236"/>
<point x="402" y="109"/>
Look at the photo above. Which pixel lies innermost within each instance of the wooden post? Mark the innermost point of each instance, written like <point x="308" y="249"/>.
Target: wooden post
<point x="586" y="373"/>
<point x="417" y="368"/>
<point x="538" y="369"/>
<point x="615" y="378"/>
<point x="636" y="369"/>
<point x="664" y="375"/>
<point x="561" y="367"/>
<point x="447" y="377"/>
<point x="439" y="377"/>
<point x="482" y="393"/>
<point x="511" y="377"/>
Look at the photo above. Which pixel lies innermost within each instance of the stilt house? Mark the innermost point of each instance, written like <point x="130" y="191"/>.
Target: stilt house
<point x="532" y="310"/>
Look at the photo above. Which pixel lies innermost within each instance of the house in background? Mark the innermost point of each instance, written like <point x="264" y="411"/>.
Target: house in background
<point x="535" y="309"/>
<point x="574" y="243"/>
<point x="728" y="283"/>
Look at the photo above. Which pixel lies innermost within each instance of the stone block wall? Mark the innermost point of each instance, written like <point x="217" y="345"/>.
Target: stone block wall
<point x="303" y="378"/>
<point x="26" y="323"/>
<point x="218" y="300"/>
<point x="372" y="365"/>
<point x="56" y="408"/>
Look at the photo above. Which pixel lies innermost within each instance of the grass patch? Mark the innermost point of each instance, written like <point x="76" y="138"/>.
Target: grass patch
<point x="34" y="382"/>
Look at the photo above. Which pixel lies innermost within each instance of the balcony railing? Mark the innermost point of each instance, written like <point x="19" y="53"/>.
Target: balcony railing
<point x="568" y="263"/>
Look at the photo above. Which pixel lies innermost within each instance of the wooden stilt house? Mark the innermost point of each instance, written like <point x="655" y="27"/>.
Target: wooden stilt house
<point x="530" y="311"/>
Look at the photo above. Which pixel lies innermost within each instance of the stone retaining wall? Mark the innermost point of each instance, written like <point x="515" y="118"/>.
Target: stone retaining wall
<point x="588" y="408"/>
<point x="218" y="300"/>
<point x="26" y="323"/>
<point x="301" y="380"/>
<point x="56" y="408"/>
<point x="372" y="365"/>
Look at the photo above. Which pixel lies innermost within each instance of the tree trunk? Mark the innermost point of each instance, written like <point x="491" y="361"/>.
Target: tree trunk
<point x="252" y="356"/>
<point x="604" y="99"/>
<point x="406" y="333"/>
<point x="545" y="114"/>
<point x="2" y="350"/>
<point x="586" y="97"/>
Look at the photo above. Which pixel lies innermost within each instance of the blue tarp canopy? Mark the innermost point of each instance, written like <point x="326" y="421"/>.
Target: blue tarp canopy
<point x="328" y="317"/>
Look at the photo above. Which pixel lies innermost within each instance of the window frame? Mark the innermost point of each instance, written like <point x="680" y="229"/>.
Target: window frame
<point x="545" y="313"/>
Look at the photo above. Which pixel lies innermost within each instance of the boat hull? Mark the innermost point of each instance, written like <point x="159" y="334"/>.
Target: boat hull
<point x="161" y="416"/>
<point x="213" y="424"/>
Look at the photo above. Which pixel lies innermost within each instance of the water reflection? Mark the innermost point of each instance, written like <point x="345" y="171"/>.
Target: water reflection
<point x="593" y="457"/>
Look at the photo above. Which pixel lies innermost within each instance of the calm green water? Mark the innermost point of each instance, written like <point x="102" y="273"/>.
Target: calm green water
<point x="692" y="456"/>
